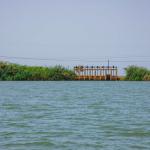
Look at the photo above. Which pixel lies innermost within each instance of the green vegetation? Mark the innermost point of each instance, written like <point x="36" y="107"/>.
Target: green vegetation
<point x="134" y="73"/>
<point x="10" y="71"/>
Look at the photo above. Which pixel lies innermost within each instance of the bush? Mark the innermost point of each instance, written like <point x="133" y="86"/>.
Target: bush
<point x="9" y="71"/>
<point x="135" y="73"/>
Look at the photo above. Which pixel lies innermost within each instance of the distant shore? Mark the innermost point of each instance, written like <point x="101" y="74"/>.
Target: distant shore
<point x="16" y="72"/>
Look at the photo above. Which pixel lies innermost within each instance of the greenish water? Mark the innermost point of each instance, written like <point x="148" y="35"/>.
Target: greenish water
<point x="74" y="115"/>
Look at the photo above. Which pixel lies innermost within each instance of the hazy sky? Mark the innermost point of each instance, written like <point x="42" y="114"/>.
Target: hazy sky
<point x="75" y="29"/>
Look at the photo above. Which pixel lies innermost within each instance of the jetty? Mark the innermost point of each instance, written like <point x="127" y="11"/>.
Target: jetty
<point x="96" y="72"/>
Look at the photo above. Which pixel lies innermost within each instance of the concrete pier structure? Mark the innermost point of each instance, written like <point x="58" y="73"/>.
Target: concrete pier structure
<point x="96" y="72"/>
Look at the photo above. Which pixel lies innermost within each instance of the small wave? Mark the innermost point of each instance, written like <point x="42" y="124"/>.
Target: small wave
<point x="135" y="134"/>
<point x="36" y="143"/>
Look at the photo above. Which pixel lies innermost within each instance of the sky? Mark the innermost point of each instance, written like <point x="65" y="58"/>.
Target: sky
<point x="76" y="32"/>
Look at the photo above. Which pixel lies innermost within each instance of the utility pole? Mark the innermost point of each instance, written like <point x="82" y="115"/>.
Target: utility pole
<point x="108" y="66"/>
<point x="108" y="63"/>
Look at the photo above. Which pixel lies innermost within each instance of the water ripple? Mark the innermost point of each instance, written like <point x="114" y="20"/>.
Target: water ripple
<point x="74" y="115"/>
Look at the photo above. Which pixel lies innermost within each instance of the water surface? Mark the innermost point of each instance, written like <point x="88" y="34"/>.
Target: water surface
<point x="62" y="115"/>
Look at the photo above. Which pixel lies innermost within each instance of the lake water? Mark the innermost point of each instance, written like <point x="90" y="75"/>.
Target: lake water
<point x="87" y="115"/>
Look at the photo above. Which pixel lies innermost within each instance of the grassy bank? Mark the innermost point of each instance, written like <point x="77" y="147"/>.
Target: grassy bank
<point x="16" y="72"/>
<point x="135" y="73"/>
<point x="10" y="72"/>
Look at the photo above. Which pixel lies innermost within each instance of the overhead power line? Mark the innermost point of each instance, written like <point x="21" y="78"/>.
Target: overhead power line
<point x="81" y="60"/>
